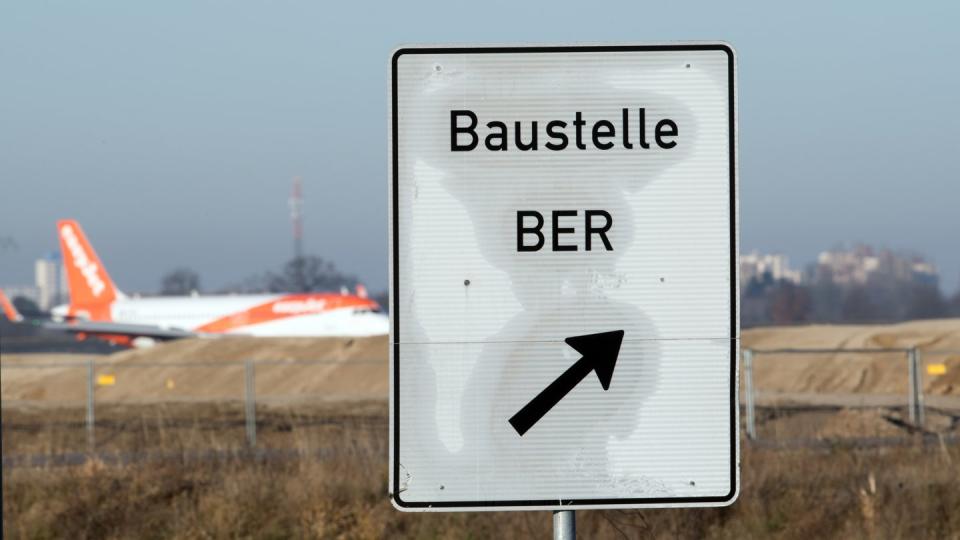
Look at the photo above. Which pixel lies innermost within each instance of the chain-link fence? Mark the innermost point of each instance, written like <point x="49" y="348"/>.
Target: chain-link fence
<point x="64" y="412"/>
<point x="855" y="395"/>
<point x="137" y="410"/>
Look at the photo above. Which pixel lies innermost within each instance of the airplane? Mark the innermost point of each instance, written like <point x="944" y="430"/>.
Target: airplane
<point x="97" y="307"/>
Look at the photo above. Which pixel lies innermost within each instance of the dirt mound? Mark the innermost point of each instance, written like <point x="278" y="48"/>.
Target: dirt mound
<point x="862" y="373"/>
<point x="934" y="334"/>
<point x="209" y="369"/>
<point x="247" y="348"/>
<point x="290" y="369"/>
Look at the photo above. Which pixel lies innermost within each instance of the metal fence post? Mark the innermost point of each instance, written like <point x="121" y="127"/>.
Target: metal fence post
<point x="916" y="387"/>
<point x="911" y="397"/>
<point x="250" y="404"/>
<point x="921" y="410"/>
<point x="564" y="525"/>
<point x="748" y="390"/>
<point x="91" y="415"/>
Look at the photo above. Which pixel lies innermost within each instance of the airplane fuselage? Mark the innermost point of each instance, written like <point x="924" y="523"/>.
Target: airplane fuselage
<point x="279" y="315"/>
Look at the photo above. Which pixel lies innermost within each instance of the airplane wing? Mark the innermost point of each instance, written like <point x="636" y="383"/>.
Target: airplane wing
<point x="120" y="329"/>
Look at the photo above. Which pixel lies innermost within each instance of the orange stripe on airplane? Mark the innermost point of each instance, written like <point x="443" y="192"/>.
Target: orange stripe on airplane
<point x="291" y="305"/>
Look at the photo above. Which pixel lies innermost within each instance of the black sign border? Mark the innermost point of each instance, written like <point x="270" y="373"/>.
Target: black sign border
<point x="395" y="290"/>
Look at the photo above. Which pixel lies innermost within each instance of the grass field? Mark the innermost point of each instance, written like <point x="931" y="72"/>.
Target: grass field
<point x="185" y="475"/>
<point x="171" y="457"/>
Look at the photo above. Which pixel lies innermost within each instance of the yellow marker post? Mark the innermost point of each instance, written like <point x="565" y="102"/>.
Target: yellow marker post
<point x="108" y="379"/>
<point x="936" y="369"/>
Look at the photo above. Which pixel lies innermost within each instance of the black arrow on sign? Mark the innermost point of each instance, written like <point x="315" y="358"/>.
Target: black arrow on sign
<point x="599" y="352"/>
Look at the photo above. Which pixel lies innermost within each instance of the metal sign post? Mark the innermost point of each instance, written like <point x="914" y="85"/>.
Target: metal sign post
<point x="91" y="413"/>
<point x="563" y="253"/>
<point x="750" y="407"/>
<point x="250" y="403"/>
<point x="564" y="525"/>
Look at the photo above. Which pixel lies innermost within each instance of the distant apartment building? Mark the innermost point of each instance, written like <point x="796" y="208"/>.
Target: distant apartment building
<point x="925" y="273"/>
<point x="764" y="267"/>
<point x="50" y="281"/>
<point x="863" y="265"/>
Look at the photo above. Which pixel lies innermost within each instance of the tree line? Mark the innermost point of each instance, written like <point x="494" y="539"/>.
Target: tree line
<point x="767" y="301"/>
<point x="303" y="274"/>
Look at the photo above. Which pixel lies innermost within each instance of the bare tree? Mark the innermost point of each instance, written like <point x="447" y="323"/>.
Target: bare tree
<point x="955" y="305"/>
<point x="258" y="283"/>
<point x="926" y="302"/>
<point x="858" y="307"/>
<point x="308" y="274"/>
<point x="789" y="303"/>
<point x="179" y="282"/>
<point x="382" y="298"/>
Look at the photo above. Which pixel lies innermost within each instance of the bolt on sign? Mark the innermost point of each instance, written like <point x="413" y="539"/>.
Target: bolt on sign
<point x="563" y="277"/>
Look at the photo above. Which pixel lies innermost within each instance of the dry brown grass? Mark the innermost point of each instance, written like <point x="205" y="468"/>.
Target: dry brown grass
<point x="337" y="487"/>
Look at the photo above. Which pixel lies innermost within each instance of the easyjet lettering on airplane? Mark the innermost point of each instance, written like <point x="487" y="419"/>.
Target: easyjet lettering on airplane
<point x="98" y="308"/>
<point x="81" y="261"/>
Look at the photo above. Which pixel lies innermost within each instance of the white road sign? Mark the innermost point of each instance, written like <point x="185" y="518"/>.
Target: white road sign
<point x="563" y="277"/>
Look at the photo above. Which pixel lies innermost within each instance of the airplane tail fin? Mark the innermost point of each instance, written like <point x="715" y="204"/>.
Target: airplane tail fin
<point x="9" y="309"/>
<point x="87" y="279"/>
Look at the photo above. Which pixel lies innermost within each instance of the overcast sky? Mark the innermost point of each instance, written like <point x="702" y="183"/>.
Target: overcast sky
<point x="172" y="130"/>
